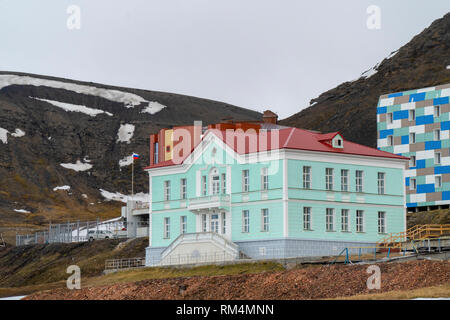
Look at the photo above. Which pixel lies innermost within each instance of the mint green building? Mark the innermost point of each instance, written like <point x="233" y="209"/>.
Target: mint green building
<point x="302" y="194"/>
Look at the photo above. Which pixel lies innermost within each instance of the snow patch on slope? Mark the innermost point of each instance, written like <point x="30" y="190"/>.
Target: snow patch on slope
<point x="62" y="188"/>
<point x="144" y="197"/>
<point x="125" y="133"/>
<point x="21" y="211"/>
<point x="126" y="161"/>
<point x="129" y="99"/>
<point x="75" y="107"/>
<point x="4" y="134"/>
<point x="79" y="166"/>
<point x="153" y="107"/>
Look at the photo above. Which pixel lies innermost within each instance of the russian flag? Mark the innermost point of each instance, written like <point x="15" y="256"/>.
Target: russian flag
<point x="135" y="156"/>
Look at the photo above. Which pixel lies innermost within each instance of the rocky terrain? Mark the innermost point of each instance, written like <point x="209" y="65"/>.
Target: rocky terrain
<point x="311" y="282"/>
<point x="351" y="107"/>
<point x="58" y="133"/>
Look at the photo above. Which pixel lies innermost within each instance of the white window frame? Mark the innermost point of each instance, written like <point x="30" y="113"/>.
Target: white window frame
<point x="412" y="184"/>
<point x="345" y="220"/>
<point x="204" y="222"/>
<point x="390" y="140"/>
<point x="412" y="137"/>
<point x="437" y="135"/>
<point x="329" y="219"/>
<point x="306" y="177"/>
<point x="390" y="118"/>
<point x="183" y="224"/>
<point x="224" y="222"/>
<point x="307" y="218"/>
<point x="215" y="184"/>
<point x="381" y="183"/>
<point x="360" y="221"/>
<point x="382" y="222"/>
<point x="167" y="228"/>
<point x="438" y="181"/>
<point x="412" y="161"/>
<point x="245" y="221"/>
<point x="167" y="190"/>
<point x="245" y="180"/>
<point x="265" y="220"/>
<point x="437" y="158"/>
<point x="204" y="185"/>
<point x="183" y="188"/>
<point x="437" y="111"/>
<point x="265" y="179"/>
<point x="359" y="181"/>
<point x="412" y="115"/>
<point x="344" y="180"/>
<point x="329" y="173"/>
<point x="224" y="183"/>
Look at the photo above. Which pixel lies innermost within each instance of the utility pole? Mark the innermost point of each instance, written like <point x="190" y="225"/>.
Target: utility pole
<point x="132" y="178"/>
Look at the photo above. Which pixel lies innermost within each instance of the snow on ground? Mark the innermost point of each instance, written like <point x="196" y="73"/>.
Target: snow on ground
<point x="448" y="67"/>
<point x="62" y="188"/>
<point x="21" y="211"/>
<point x="144" y="197"/>
<point x="75" y="107"/>
<point x="370" y="72"/>
<point x="126" y="161"/>
<point x="13" y="298"/>
<point x="113" y="225"/>
<point x="4" y="134"/>
<point x="125" y="133"/>
<point x="79" y="166"/>
<point x="129" y="99"/>
<point x="153" y="107"/>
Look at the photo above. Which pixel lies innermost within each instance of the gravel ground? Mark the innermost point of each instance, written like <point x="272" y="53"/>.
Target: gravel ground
<point x="311" y="282"/>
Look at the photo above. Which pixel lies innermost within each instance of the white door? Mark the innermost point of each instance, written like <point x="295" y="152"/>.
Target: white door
<point x="215" y="223"/>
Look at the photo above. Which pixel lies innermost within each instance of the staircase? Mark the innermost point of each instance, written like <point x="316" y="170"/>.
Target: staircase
<point x="416" y="233"/>
<point x="200" y="247"/>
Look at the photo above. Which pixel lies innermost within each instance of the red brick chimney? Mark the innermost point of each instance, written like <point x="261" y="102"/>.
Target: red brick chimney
<point x="270" y="117"/>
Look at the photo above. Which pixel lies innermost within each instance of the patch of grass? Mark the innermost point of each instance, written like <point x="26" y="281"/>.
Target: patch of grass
<point x="429" y="292"/>
<point x="170" y="272"/>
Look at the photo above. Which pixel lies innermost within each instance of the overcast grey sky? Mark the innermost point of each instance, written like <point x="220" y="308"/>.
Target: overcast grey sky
<point x="256" y="54"/>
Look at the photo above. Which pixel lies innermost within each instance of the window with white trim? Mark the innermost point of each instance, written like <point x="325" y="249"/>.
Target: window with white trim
<point x="224" y="223"/>
<point x="183" y="224"/>
<point x="412" y="184"/>
<point x="437" y="158"/>
<point x="359" y="221"/>
<point x="390" y="141"/>
<point x="412" y="137"/>
<point x="329" y="178"/>
<point x="265" y="178"/>
<point x="167" y="190"/>
<point x="390" y="118"/>
<point x="166" y="228"/>
<point x="412" y="115"/>
<point x="412" y="161"/>
<point x="204" y="223"/>
<point x="437" y="111"/>
<point x="307" y="218"/>
<point x="265" y="220"/>
<point x="215" y="184"/>
<point x="437" y="135"/>
<point x="245" y="180"/>
<point x="438" y="181"/>
<point x="306" y="177"/>
<point x="359" y="180"/>
<point x="224" y="183"/>
<point x="245" y="221"/>
<point x="344" y="180"/>
<point x="381" y="222"/>
<point x="183" y="189"/>
<point x="204" y="185"/>
<point x="344" y="220"/>
<point x="330" y="219"/>
<point x="380" y="180"/>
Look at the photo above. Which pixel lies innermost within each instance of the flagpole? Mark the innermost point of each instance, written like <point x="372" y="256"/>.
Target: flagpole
<point x="132" y="179"/>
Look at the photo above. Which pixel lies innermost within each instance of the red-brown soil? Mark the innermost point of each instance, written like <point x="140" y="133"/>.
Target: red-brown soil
<point x="309" y="282"/>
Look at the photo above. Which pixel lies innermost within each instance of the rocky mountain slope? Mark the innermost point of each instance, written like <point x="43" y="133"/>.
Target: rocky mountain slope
<point x="351" y="107"/>
<point x="62" y="141"/>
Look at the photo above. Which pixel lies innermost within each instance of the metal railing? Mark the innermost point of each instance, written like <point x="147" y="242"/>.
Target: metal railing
<point x="84" y="231"/>
<point x="118" y="264"/>
<point x="417" y="232"/>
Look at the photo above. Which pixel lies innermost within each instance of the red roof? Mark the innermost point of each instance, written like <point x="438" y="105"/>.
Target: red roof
<point x="295" y="139"/>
